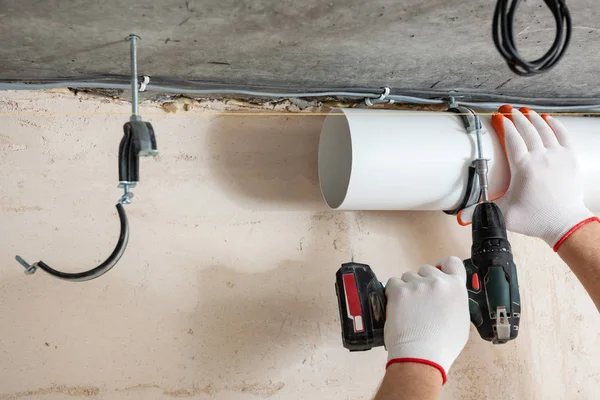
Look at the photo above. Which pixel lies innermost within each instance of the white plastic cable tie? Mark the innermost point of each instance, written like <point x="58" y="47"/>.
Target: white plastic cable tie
<point x="145" y="81"/>
<point x="381" y="99"/>
<point x="386" y="93"/>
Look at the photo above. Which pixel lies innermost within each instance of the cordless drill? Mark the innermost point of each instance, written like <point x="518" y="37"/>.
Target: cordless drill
<point x="494" y="301"/>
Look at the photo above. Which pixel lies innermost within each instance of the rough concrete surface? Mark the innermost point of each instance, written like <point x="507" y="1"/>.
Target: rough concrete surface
<point x="413" y="44"/>
<point x="226" y="290"/>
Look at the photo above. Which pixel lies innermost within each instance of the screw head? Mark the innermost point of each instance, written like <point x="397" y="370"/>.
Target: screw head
<point x="126" y="198"/>
<point x="30" y="271"/>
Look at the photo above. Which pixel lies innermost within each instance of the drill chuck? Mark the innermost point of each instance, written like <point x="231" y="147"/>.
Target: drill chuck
<point x="488" y="223"/>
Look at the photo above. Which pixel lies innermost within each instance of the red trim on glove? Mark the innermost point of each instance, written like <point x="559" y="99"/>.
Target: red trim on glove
<point x="572" y="231"/>
<point x="419" y="361"/>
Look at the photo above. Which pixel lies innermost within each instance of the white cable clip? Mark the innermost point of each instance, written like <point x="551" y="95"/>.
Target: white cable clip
<point x="145" y="81"/>
<point x="381" y="99"/>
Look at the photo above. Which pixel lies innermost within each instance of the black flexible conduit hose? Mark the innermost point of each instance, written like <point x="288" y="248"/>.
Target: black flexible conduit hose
<point x="103" y="268"/>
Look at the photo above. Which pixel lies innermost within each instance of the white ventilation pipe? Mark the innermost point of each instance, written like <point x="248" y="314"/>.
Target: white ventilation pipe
<point x="417" y="160"/>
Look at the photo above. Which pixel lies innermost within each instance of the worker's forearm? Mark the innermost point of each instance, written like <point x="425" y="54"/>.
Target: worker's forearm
<point x="410" y="381"/>
<point x="581" y="252"/>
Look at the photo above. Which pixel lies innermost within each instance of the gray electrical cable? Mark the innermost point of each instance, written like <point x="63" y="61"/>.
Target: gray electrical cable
<point x="488" y="106"/>
<point x="258" y="93"/>
<point x="516" y="101"/>
<point x="539" y="108"/>
<point x="63" y="84"/>
<point x="414" y="100"/>
<point x="161" y="88"/>
<point x="463" y="93"/>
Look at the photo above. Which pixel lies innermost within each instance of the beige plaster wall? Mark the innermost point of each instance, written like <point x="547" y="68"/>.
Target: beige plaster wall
<point x="226" y="289"/>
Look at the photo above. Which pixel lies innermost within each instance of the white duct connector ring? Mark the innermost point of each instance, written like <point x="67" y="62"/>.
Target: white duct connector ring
<point x="417" y="160"/>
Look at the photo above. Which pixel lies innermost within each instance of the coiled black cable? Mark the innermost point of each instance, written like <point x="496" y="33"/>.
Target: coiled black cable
<point x="504" y="38"/>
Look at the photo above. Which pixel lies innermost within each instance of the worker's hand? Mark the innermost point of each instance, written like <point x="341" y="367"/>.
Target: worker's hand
<point x="428" y="315"/>
<point x="545" y="195"/>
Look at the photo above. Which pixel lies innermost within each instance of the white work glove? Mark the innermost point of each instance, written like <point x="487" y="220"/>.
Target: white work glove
<point x="545" y="195"/>
<point x="428" y="315"/>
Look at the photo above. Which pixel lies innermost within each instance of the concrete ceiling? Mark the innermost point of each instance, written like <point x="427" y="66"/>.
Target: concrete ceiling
<point x="408" y="44"/>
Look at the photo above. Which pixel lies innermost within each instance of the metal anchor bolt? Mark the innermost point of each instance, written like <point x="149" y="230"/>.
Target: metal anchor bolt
<point x="29" y="269"/>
